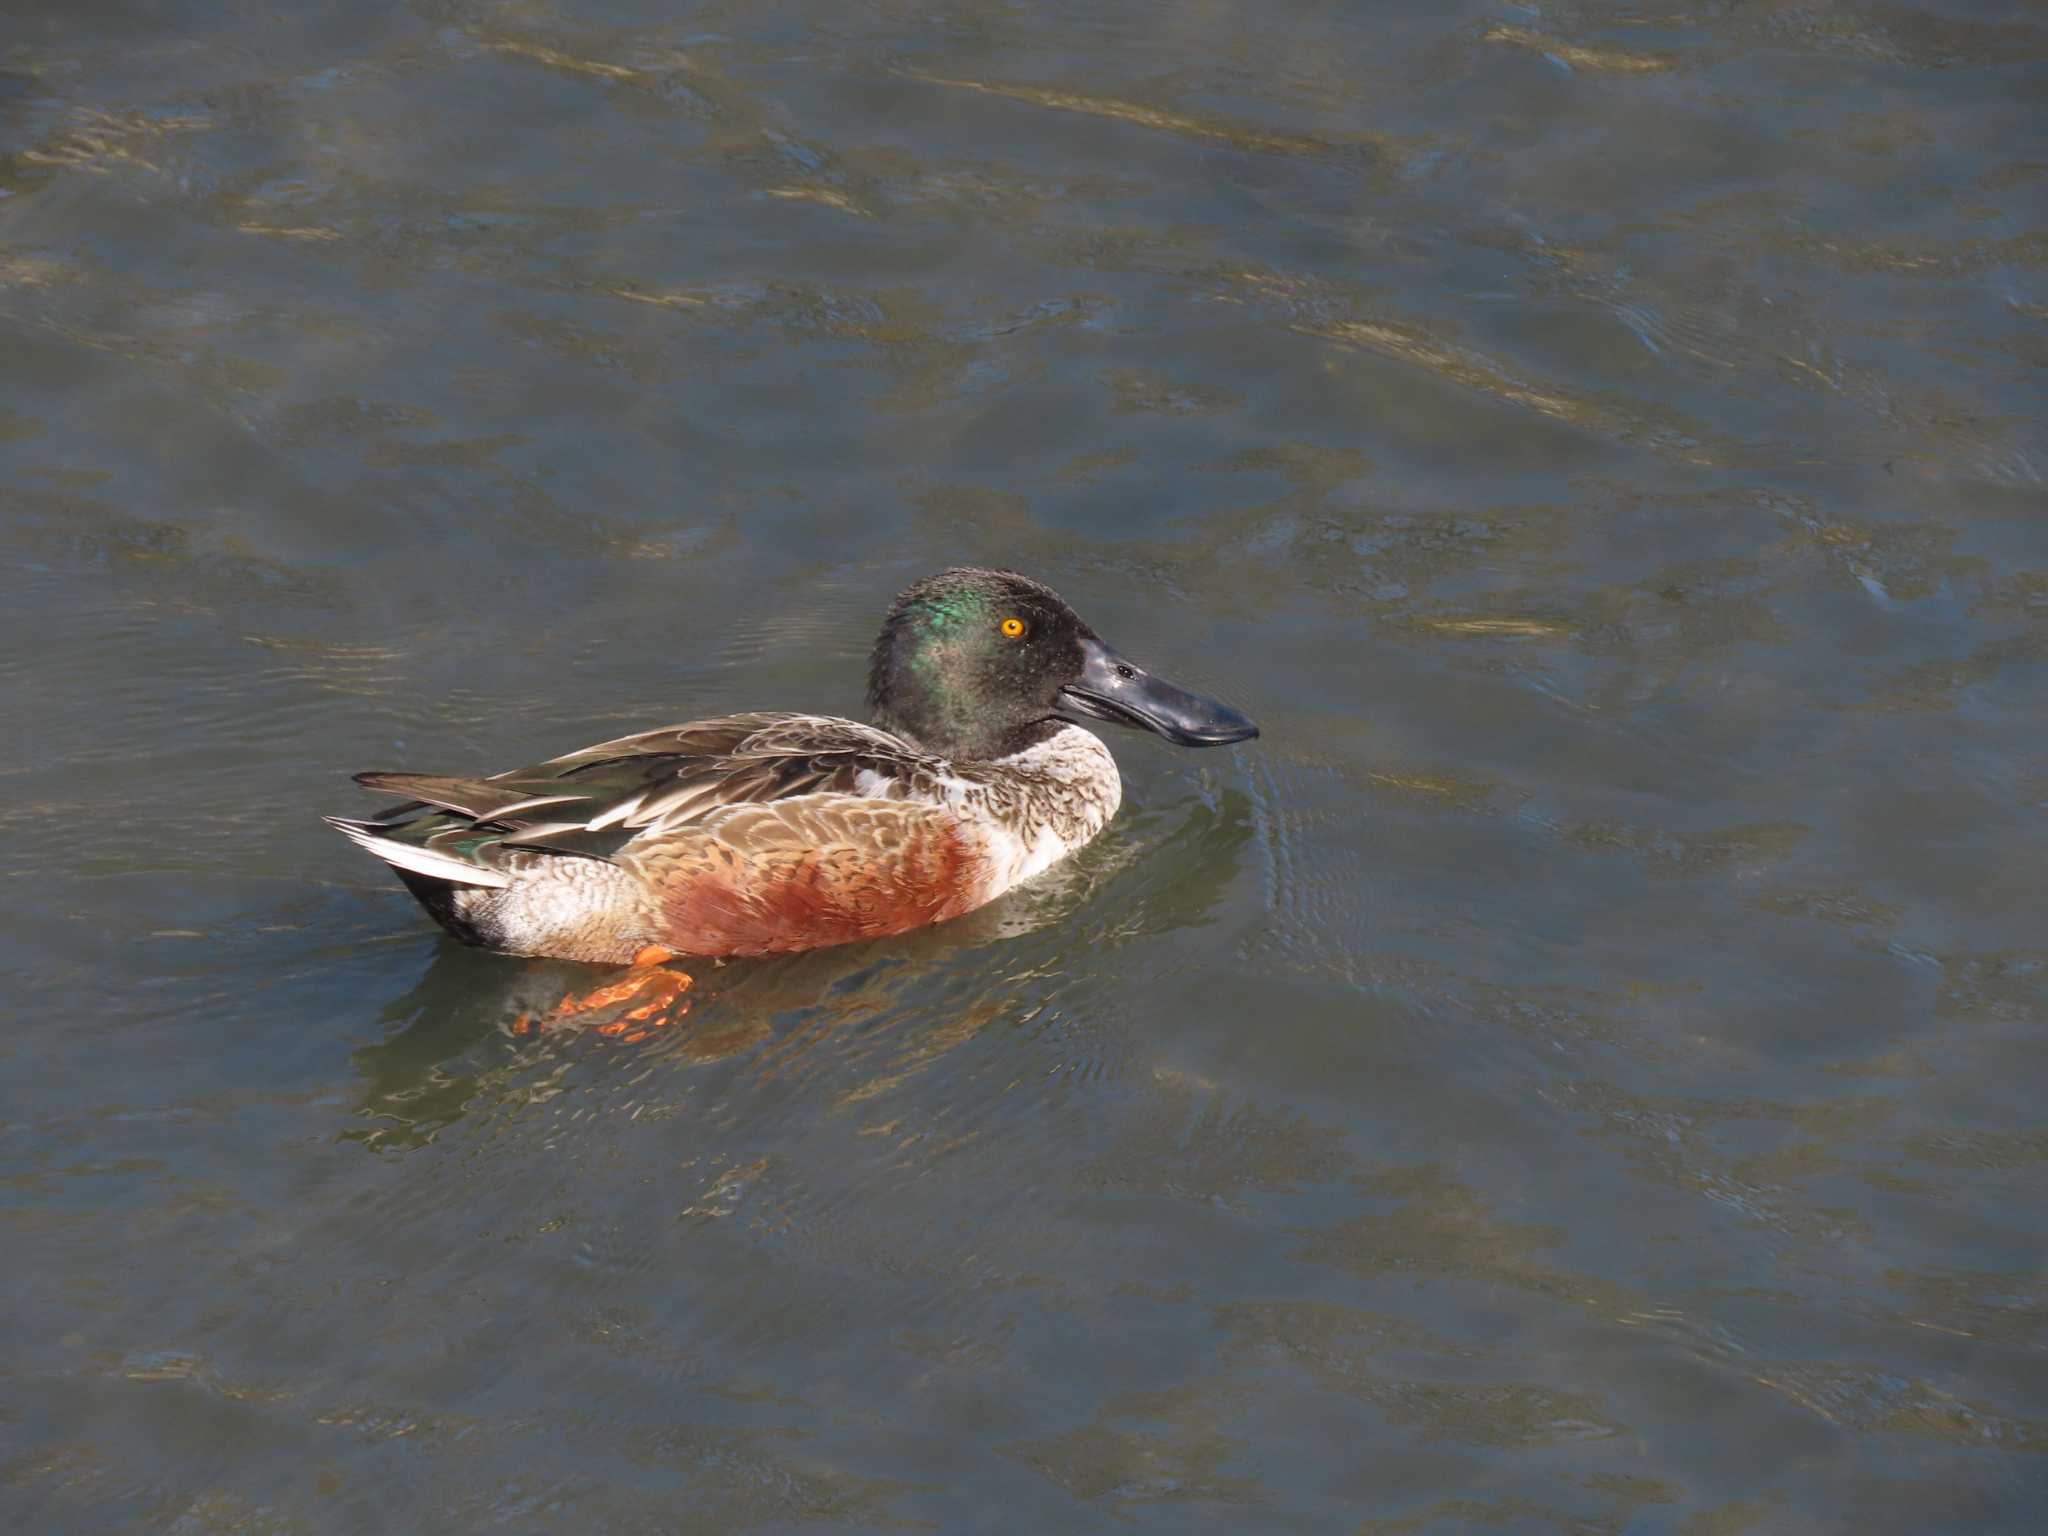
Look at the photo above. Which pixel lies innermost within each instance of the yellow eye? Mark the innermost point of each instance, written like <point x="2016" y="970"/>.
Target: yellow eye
<point x="1013" y="627"/>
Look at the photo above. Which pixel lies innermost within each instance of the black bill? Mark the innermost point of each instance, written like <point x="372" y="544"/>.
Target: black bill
<point x="1111" y="689"/>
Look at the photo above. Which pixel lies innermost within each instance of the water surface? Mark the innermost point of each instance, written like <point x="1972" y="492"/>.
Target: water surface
<point x="1580" y="1071"/>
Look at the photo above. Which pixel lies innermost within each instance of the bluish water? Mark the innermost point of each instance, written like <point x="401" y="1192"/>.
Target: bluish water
<point x="1580" y="1071"/>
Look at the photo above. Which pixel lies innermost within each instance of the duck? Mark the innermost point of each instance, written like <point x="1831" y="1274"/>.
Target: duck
<point x="771" y="832"/>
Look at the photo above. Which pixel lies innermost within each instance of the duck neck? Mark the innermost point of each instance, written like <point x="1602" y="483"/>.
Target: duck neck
<point x="959" y="735"/>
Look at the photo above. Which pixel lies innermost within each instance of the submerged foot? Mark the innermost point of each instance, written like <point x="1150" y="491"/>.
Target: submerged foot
<point x="649" y="985"/>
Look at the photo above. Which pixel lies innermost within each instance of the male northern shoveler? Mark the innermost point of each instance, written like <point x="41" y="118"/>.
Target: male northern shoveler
<point x="762" y="833"/>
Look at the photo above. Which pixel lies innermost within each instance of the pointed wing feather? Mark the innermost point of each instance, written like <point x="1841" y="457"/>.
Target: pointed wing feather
<point x="479" y="799"/>
<point x="596" y="802"/>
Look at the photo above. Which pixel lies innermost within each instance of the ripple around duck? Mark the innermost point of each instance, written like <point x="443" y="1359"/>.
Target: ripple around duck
<point x="788" y="1085"/>
<point x="1316" y="904"/>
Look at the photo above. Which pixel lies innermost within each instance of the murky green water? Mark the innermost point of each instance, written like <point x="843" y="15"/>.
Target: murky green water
<point x="1581" y="1071"/>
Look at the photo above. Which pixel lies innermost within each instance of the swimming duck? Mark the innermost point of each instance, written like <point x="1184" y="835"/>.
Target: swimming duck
<point x="769" y="832"/>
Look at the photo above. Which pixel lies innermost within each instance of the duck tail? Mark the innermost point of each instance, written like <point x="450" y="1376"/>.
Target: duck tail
<point x="375" y="838"/>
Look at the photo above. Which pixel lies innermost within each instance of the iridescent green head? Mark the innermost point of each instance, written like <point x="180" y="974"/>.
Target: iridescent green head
<point x="976" y="664"/>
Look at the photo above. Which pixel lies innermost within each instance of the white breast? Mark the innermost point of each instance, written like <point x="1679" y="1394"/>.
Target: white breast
<point x="1042" y="803"/>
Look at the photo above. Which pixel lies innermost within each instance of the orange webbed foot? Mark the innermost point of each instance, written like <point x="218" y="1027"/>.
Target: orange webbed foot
<point x="649" y="985"/>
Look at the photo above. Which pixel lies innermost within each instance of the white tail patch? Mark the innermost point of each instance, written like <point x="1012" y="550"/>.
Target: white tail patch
<point x="421" y="861"/>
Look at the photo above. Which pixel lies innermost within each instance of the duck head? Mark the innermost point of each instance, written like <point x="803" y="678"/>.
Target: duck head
<point x="976" y="664"/>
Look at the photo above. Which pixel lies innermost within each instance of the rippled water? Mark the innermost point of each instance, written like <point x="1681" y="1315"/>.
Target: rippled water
<point x="1580" y="1071"/>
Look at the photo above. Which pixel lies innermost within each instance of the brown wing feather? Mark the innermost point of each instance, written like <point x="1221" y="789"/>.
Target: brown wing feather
<point x="478" y="799"/>
<point x="597" y="801"/>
